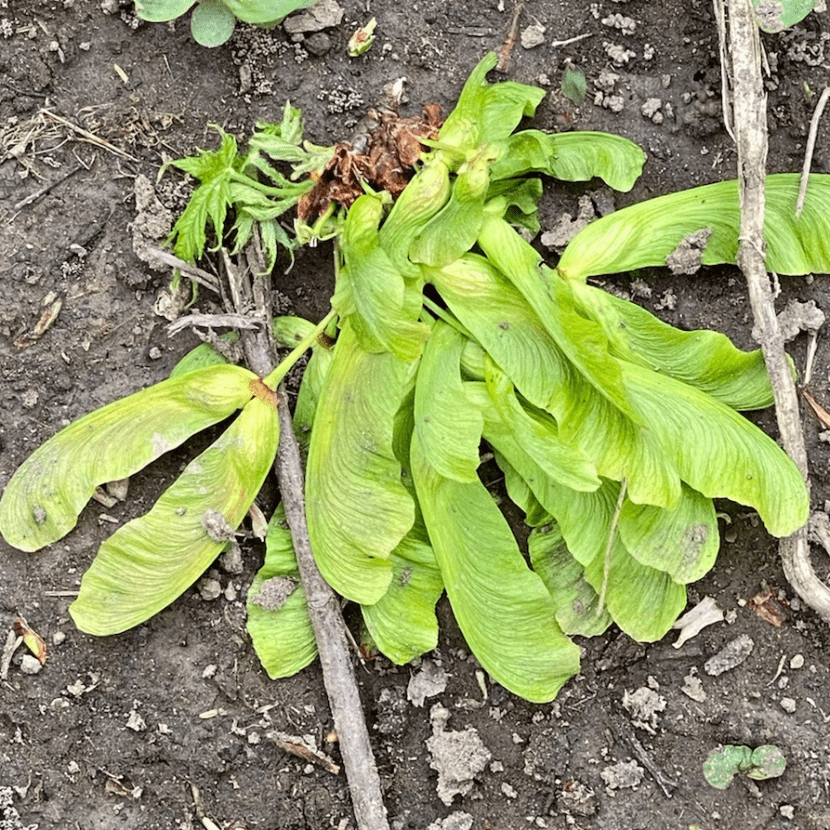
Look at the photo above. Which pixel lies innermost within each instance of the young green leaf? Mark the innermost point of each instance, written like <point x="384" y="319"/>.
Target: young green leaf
<point x="208" y="205"/>
<point x="46" y="495"/>
<point x="153" y="559"/>
<point x="160" y="11"/>
<point x="767" y="762"/>
<point x="485" y="113"/>
<point x="212" y="23"/>
<point x="357" y="508"/>
<point x="448" y="424"/>
<point x="503" y="609"/>
<point x="265" y="13"/>
<point x="572" y="157"/>
<point x="278" y="621"/>
<point x="782" y="14"/>
<point x="722" y="764"/>
<point x="645" y="234"/>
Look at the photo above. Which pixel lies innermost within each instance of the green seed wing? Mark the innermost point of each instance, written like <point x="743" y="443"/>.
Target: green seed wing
<point x="503" y="609"/>
<point x="46" y="495"/>
<point x="358" y="509"/>
<point x="278" y="621"/>
<point x="153" y="559"/>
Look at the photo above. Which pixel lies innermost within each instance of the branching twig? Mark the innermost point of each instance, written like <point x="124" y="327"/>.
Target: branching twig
<point x="749" y="120"/>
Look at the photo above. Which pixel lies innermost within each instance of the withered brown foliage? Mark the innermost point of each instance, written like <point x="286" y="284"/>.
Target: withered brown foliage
<point x="382" y="155"/>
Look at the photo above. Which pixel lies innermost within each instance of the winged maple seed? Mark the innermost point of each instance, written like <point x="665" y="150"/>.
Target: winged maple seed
<point x="382" y="155"/>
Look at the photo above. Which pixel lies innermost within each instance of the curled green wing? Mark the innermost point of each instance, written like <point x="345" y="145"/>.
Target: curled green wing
<point x="572" y="157"/>
<point x="357" y="507"/>
<point x="645" y="234"/>
<point x="278" y="621"/>
<point x="577" y="603"/>
<point x="382" y="307"/>
<point x="682" y="541"/>
<point x="718" y="452"/>
<point x="705" y="359"/>
<point x="46" y="495"/>
<point x="415" y="588"/>
<point x="644" y="602"/>
<point x="503" y="609"/>
<point x="151" y="560"/>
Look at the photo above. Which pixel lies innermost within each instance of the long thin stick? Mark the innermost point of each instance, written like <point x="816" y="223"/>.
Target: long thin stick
<point x="324" y="610"/>
<point x="750" y="124"/>
<point x="323" y="606"/>
<point x="808" y="153"/>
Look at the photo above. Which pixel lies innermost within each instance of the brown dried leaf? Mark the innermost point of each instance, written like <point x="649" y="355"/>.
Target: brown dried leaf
<point x="34" y="642"/>
<point x="818" y="410"/>
<point x="770" y="607"/>
<point x="383" y="157"/>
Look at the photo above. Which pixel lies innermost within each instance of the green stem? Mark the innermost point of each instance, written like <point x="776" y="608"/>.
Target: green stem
<point x="273" y="380"/>
<point x="267" y="190"/>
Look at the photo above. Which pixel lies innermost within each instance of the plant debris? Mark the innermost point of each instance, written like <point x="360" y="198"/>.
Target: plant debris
<point x="382" y="155"/>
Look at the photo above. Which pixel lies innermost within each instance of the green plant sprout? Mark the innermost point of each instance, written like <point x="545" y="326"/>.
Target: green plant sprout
<point x="725" y="763"/>
<point x="613" y="430"/>
<point x="212" y="22"/>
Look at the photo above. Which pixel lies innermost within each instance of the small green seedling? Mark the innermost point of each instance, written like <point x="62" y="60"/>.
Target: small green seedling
<point x="573" y="84"/>
<point x="213" y="21"/>
<point x="723" y="764"/>
<point x="361" y="41"/>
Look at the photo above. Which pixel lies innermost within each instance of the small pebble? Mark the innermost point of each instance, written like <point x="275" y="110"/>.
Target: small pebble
<point x="731" y="655"/>
<point x="787" y="810"/>
<point x="29" y="664"/>
<point x="136" y="722"/>
<point x="787" y="704"/>
<point x="797" y="662"/>
<point x="210" y="589"/>
<point x="209" y="671"/>
<point x="59" y="636"/>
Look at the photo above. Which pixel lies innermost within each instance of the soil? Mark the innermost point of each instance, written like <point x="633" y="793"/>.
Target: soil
<point x="118" y="732"/>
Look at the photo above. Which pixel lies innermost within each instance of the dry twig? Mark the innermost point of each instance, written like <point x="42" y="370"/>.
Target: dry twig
<point x="323" y="606"/>
<point x="749" y="118"/>
<point x="808" y="153"/>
